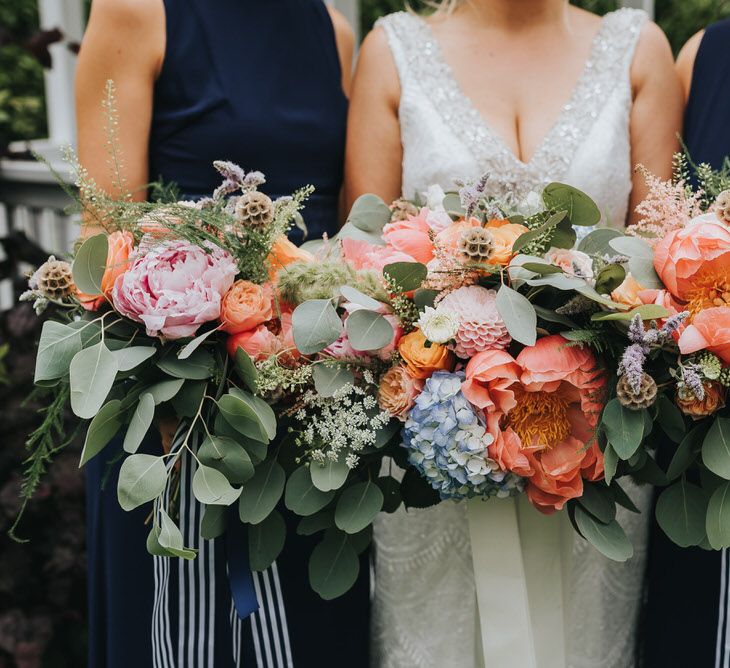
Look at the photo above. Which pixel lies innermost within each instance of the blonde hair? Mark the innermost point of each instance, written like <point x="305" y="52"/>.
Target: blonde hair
<point x="439" y="6"/>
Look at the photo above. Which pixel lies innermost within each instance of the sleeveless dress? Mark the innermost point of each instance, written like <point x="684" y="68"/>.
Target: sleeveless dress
<point x="258" y="83"/>
<point x="703" y="575"/>
<point x="425" y="606"/>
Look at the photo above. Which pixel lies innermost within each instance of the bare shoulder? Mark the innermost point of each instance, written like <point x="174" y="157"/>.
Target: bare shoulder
<point x="653" y="57"/>
<point x="129" y="14"/>
<point x="686" y="60"/>
<point x="376" y="64"/>
<point x="343" y="30"/>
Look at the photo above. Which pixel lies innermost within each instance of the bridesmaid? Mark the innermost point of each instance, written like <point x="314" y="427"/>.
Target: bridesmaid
<point x="264" y="84"/>
<point x="688" y="588"/>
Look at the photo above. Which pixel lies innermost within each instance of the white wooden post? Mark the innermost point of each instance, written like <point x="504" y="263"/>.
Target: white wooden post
<point x="646" y="5"/>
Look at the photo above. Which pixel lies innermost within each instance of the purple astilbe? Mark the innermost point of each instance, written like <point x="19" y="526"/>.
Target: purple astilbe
<point x="632" y="365"/>
<point x="253" y="180"/>
<point x="233" y="178"/>
<point x="636" y="330"/>
<point x="471" y="193"/>
<point x="672" y="323"/>
<point x="693" y="381"/>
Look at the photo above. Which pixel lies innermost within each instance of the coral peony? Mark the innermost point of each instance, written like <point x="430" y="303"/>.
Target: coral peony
<point x="260" y="343"/>
<point x="480" y="325"/>
<point x="398" y="391"/>
<point x="362" y="255"/>
<point x="542" y="409"/>
<point x="283" y="253"/>
<point x="694" y="265"/>
<point x="174" y="288"/>
<point x="504" y="234"/>
<point x="245" y="306"/>
<point x="121" y="245"/>
<point x="411" y="236"/>
<point x="710" y="330"/>
<point x="421" y="361"/>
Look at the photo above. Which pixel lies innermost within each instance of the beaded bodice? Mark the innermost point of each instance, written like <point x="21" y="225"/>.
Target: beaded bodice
<point x="444" y="136"/>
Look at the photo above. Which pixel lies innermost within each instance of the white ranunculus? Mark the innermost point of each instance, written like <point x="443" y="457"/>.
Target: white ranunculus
<point x="438" y="326"/>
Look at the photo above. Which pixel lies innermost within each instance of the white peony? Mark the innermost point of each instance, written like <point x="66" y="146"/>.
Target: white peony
<point x="438" y="326"/>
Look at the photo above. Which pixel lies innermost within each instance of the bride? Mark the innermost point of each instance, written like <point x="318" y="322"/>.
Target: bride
<point x="530" y="91"/>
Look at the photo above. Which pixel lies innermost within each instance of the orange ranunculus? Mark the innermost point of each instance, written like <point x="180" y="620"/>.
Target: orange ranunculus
<point x="398" y="391"/>
<point x="712" y="402"/>
<point x="710" y="330"/>
<point x="260" y="343"/>
<point x="448" y="238"/>
<point x="694" y="264"/>
<point x="284" y="252"/>
<point x="504" y="234"/>
<point x="411" y="236"/>
<point x="420" y="361"/>
<point x="629" y="292"/>
<point x="542" y="409"/>
<point x="245" y="306"/>
<point x="121" y="245"/>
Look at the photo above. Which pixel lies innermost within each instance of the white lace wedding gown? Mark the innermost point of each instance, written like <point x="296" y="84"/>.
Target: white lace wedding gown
<point x="425" y="606"/>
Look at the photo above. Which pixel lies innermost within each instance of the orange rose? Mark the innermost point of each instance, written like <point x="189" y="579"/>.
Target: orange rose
<point x="245" y="306"/>
<point x="448" y="238"/>
<point x="505" y="234"/>
<point x="284" y="252"/>
<point x="628" y="292"/>
<point x="714" y="400"/>
<point x="398" y="391"/>
<point x="117" y="262"/>
<point x="420" y="361"/>
<point x="710" y="330"/>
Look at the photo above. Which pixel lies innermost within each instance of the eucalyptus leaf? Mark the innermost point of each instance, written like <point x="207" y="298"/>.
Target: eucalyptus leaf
<point x="597" y="241"/>
<point x="211" y="487"/>
<point x="647" y="312"/>
<point x="686" y="453"/>
<point x="192" y="346"/>
<point x="333" y="565"/>
<point x="622" y="498"/>
<point x="165" y="390"/>
<point x="718" y="518"/>
<point x="198" y="365"/>
<point x="542" y="268"/>
<point x="390" y="488"/>
<point x="329" y="379"/>
<point x="552" y="316"/>
<point x="140" y="423"/>
<point x="368" y="330"/>
<point x="424" y="297"/>
<point x="558" y="281"/>
<point x="266" y="541"/>
<point x="518" y="315"/>
<point x="261" y="494"/>
<point x="349" y="231"/>
<point x="354" y="296"/>
<point x="581" y="209"/>
<point x="681" y="512"/>
<point x="214" y="522"/>
<point x="301" y="495"/>
<point x="246" y="369"/>
<point x="102" y="429"/>
<point x="370" y="214"/>
<point x="131" y="358"/>
<point x="228" y="457"/>
<point x="609" y="278"/>
<point x="90" y="264"/>
<point x="141" y="479"/>
<point x="608" y="538"/>
<point x="249" y="414"/>
<point x="624" y="428"/>
<point x="407" y="276"/>
<point x="357" y="507"/>
<point x="642" y="269"/>
<point x="92" y="373"/>
<point x="324" y="519"/>
<point x="315" y="325"/>
<point x="57" y="347"/>
<point x="598" y="501"/>
<point x="187" y="401"/>
<point x="329" y="476"/>
<point x="632" y="247"/>
<point x="716" y="448"/>
<point x="670" y="419"/>
<point x="610" y="463"/>
<point x="171" y="539"/>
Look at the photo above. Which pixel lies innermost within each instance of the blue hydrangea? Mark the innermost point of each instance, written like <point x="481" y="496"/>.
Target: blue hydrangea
<point x="448" y="441"/>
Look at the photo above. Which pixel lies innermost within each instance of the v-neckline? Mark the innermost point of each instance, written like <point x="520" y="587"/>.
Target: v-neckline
<point x="456" y="91"/>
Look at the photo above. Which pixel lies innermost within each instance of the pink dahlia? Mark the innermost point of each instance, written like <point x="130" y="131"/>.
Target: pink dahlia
<point x="480" y="325"/>
<point x="174" y="288"/>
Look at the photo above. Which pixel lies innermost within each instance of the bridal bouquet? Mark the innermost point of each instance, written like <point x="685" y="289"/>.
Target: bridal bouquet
<point x="679" y="381"/>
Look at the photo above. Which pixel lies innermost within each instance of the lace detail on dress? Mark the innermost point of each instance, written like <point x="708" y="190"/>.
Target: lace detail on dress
<point x="424" y="611"/>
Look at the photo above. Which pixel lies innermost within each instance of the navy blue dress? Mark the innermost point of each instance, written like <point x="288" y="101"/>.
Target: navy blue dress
<point x="687" y="619"/>
<point x="257" y="82"/>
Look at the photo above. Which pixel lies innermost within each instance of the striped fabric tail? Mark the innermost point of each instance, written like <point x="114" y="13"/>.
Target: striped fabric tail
<point x="191" y="602"/>
<point x="722" y="648"/>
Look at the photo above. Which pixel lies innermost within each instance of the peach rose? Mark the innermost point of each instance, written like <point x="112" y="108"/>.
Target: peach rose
<point x="420" y="361"/>
<point x="572" y="262"/>
<point x="714" y="400"/>
<point x="710" y="330"/>
<point x="283" y="253"/>
<point x="121" y="245"/>
<point x="245" y="306"/>
<point x="629" y="292"/>
<point x="260" y="343"/>
<point x="398" y="391"/>
<point x="505" y="234"/>
<point x="448" y="239"/>
<point x="688" y="256"/>
<point x="411" y="236"/>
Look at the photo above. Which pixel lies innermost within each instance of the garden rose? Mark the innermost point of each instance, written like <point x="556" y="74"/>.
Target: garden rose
<point x="398" y="391"/>
<point x="245" y="306"/>
<point x="121" y="245"/>
<point x="713" y="401"/>
<point x="448" y="239"/>
<point x="504" y="234"/>
<point x="420" y="361"/>
<point x="260" y="343"/>
<point x="572" y="262"/>
<point x="411" y="236"/>
<point x="174" y="288"/>
<point x="283" y="253"/>
<point x="362" y="255"/>
<point x="710" y="330"/>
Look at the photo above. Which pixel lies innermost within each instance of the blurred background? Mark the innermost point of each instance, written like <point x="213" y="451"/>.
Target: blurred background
<point x="42" y="597"/>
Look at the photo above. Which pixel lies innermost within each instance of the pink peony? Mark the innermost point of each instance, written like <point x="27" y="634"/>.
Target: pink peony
<point x="174" y="288"/>
<point x="480" y="325"/>
<point x="411" y="236"/>
<point x="362" y="255"/>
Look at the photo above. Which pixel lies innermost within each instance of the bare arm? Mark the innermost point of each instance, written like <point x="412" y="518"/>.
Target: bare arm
<point x="686" y="61"/>
<point x="124" y="42"/>
<point x="373" y="160"/>
<point x="345" y="39"/>
<point x="656" y="117"/>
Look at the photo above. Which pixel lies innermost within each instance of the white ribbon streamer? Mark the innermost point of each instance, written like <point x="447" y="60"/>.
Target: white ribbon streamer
<point x="521" y="566"/>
